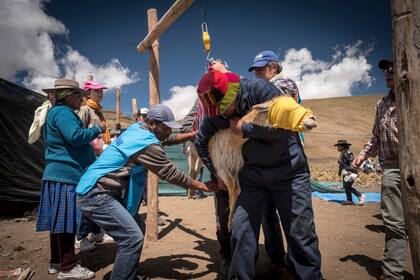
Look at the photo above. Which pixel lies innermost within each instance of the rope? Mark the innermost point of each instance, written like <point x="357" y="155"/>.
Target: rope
<point x="203" y="11"/>
<point x="332" y="133"/>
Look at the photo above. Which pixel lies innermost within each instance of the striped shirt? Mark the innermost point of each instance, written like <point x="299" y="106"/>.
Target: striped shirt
<point x="287" y="85"/>
<point x="384" y="141"/>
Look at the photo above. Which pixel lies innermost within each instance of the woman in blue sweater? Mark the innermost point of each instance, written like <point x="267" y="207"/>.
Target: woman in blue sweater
<point x="67" y="154"/>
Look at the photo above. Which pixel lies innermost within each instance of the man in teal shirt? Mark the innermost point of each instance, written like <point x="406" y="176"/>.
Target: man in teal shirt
<point x="119" y="174"/>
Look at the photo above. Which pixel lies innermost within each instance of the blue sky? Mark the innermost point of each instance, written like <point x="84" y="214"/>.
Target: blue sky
<point x="330" y="47"/>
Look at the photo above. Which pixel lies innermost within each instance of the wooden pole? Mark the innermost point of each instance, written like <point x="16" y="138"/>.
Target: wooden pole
<point x="134" y="107"/>
<point x="154" y="98"/>
<point x="89" y="77"/>
<point x="168" y="18"/>
<point x="117" y="105"/>
<point x="406" y="41"/>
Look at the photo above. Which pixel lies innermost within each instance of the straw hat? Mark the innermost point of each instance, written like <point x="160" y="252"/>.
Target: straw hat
<point x="66" y="84"/>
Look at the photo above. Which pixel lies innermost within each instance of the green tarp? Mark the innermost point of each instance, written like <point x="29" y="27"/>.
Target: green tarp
<point x="176" y="155"/>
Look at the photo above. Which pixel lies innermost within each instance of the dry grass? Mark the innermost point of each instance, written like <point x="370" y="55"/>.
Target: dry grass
<point x="349" y="118"/>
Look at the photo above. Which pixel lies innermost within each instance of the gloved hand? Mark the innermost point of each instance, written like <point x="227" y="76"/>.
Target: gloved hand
<point x="309" y="122"/>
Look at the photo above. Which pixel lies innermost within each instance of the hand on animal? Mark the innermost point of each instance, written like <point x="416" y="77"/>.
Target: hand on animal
<point x="200" y="186"/>
<point x="221" y="184"/>
<point x="236" y="125"/>
<point x="309" y="122"/>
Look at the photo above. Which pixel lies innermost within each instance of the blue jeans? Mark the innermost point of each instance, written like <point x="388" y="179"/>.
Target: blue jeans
<point x="108" y="213"/>
<point x="86" y="226"/>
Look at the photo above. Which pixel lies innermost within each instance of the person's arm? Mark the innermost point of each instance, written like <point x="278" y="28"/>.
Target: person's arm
<point x="208" y="128"/>
<point x="153" y="158"/>
<point x="371" y="148"/>
<point x="68" y="123"/>
<point x="84" y="116"/>
<point x="179" y="138"/>
<point x="188" y="121"/>
<point x="254" y="131"/>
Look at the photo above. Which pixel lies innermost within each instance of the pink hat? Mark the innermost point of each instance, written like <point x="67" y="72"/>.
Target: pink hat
<point x="93" y="85"/>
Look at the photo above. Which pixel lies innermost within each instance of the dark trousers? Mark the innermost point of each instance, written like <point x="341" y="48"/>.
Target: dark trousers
<point x="348" y="188"/>
<point x="271" y="227"/>
<point x="292" y="197"/>
<point x="62" y="250"/>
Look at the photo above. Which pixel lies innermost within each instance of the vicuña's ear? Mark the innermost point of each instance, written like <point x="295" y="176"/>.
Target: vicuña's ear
<point x="263" y="107"/>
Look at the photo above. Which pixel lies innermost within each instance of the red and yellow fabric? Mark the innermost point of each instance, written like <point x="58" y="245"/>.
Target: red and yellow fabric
<point x="217" y="91"/>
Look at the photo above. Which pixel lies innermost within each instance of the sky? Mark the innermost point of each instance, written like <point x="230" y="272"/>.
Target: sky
<point x="330" y="48"/>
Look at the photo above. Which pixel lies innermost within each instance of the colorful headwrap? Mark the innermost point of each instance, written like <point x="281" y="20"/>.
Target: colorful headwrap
<point x="217" y="91"/>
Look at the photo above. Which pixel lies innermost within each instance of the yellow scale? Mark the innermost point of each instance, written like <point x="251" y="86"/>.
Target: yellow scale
<point x="206" y="37"/>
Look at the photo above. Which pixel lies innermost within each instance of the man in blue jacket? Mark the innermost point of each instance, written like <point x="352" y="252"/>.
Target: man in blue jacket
<point x="274" y="166"/>
<point x="118" y="176"/>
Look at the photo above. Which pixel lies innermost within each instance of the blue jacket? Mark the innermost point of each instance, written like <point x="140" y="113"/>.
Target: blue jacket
<point x="266" y="148"/>
<point x="117" y="155"/>
<point x="67" y="145"/>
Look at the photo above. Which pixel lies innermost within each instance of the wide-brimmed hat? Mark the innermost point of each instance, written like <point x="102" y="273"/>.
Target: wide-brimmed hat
<point x="342" y="143"/>
<point x="60" y="84"/>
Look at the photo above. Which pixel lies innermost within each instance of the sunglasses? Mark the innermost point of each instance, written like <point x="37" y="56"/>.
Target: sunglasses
<point x="389" y="70"/>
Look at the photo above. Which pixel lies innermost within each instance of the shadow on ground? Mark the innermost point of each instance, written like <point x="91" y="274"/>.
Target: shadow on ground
<point x="372" y="266"/>
<point x="376" y="228"/>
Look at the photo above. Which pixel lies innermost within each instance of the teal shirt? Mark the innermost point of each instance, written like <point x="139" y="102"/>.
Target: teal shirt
<point x="67" y="145"/>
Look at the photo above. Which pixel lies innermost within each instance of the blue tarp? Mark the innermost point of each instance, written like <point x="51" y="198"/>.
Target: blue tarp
<point x="374" y="197"/>
<point x="332" y="191"/>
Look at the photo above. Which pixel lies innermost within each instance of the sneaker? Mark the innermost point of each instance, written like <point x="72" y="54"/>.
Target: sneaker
<point x="78" y="272"/>
<point x="348" y="202"/>
<point x="53" y="268"/>
<point x="161" y="221"/>
<point x="96" y="237"/>
<point x="362" y="199"/>
<point x="85" y="245"/>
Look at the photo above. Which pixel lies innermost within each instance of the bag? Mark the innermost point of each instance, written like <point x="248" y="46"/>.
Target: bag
<point x="39" y="120"/>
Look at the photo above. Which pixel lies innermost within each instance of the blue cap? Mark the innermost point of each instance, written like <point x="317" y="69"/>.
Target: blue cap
<point x="263" y="58"/>
<point x="162" y="113"/>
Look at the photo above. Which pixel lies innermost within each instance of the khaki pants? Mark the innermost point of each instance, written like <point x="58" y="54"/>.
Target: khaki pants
<point x="393" y="217"/>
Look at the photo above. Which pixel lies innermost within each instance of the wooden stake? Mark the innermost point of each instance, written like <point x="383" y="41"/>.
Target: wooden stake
<point x="117" y="105"/>
<point x="134" y="107"/>
<point x="168" y="18"/>
<point x="154" y="98"/>
<point x="406" y="41"/>
<point x="89" y="77"/>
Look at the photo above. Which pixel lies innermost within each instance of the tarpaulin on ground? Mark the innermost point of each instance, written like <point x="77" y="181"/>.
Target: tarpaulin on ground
<point x="21" y="164"/>
<point x="374" y="197"/>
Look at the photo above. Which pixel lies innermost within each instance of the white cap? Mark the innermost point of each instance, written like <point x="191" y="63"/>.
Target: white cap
<point x="143" y="111"/>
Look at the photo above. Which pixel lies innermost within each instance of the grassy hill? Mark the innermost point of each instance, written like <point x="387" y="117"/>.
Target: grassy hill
<point x="349" y="118"/>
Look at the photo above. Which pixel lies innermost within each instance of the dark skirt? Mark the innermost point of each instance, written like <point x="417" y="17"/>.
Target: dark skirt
<point x="57" y="208"/>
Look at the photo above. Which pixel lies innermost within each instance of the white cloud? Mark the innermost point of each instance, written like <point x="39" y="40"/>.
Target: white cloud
<point x="322" y="79"/>
<point x="181" y="101"/>
<point x="27" y="47"/>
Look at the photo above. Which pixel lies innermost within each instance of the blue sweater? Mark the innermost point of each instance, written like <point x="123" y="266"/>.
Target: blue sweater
<point x="67" y="145"/>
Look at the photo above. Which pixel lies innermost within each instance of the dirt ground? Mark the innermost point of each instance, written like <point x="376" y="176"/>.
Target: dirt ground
<point x="351" y="237"/>
<point x="351" y="244"/>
